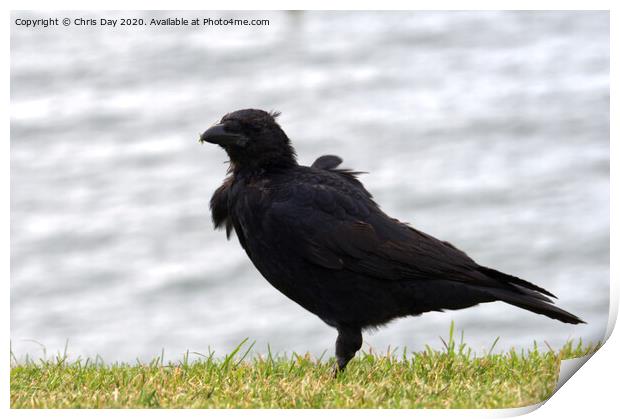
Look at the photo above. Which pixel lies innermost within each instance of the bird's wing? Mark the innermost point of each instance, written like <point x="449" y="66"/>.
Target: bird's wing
<point x="336" y="225"/>
<point x="386" y="248"/>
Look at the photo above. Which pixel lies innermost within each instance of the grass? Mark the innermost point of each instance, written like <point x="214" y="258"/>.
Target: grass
<point x="448" y="378"/>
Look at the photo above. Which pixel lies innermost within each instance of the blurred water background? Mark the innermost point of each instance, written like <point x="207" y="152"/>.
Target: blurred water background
<point x="486" y="129"/>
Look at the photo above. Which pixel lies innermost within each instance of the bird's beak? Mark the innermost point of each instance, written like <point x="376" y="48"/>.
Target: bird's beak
<point x="217" y="134"/>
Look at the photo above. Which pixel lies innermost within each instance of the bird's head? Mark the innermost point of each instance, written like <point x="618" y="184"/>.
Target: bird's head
<point x="253" y="140"/>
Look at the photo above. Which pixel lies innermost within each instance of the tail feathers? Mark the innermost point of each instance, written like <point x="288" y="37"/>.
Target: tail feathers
<point x="528" y="296"/>
<point x="536" y="305"/>
<point x="513" y="280"/>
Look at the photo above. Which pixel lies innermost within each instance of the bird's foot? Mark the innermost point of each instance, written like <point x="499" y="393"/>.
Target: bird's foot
<point x="339" y="367"/>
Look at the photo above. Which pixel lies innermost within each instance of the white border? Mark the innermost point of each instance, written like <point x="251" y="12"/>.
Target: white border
<point x="592" y="391"/>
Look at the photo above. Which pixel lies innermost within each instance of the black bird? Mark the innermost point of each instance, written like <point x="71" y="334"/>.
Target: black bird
<point x="316" y="234"/>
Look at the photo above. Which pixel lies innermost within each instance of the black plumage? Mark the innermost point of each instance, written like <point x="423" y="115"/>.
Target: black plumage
<point x="316" y="234"/>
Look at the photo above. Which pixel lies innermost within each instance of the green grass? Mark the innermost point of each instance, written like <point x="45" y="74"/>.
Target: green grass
<point x="448" y="378"/>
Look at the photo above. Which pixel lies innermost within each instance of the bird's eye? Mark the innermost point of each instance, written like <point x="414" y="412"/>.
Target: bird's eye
<point x="233" y="127"/>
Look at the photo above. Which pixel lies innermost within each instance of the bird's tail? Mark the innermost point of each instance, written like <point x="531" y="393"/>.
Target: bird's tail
<point x="526" y="295"/>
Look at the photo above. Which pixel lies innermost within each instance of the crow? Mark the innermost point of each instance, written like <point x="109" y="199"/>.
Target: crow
<point x="316" y="234"/>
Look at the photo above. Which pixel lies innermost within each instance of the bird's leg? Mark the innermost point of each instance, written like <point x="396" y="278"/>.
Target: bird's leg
<point x="349" y="341"/>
